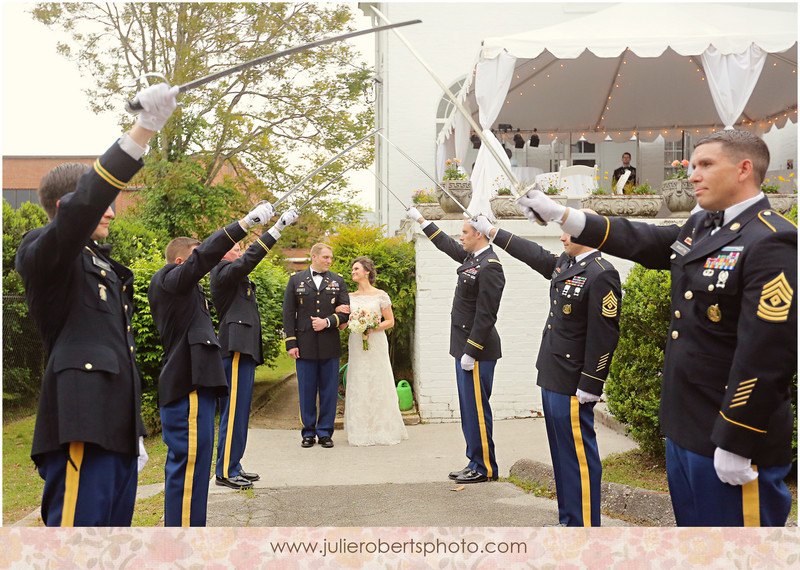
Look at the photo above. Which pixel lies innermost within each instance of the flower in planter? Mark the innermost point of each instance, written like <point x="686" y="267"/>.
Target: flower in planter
<point x="642" y="189"/>
<point x="453" y="170"/>
<point x="500" y="186"/>
<point x="681" y="173"/>
<point x="770" y="188"/>
<point x="423" y="197"/>
<point x="552" y="190"/>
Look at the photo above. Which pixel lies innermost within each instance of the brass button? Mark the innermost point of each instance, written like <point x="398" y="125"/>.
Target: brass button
<point x="567" y="355"/>
<point x="126" y="308"/>
<point x="555" y="302"/>
<point x="131" y="350"/>
<point x="674" y="334"/>
<point x="124" y="287"/>
<point x="677" y="314"/>
<point x="551" y="314"/>
<point x="688" y="295"/>
<point x="549" y="327"/>
<point x="208" y="342"/>
<point x="103" y="272"/>
<point x="129" y="328"/>
<point x="88" y="366"/>
<point x="673" y="256"/>
<point x="710" y="287"/>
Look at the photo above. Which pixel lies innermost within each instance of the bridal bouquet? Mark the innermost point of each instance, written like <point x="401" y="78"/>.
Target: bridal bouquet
<point x="361" y="320"/>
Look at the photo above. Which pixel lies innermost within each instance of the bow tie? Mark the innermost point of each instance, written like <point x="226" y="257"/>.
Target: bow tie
<point x="714" y="218"/>
<point x="570" y="261"/>
<point x="315" y="273"/>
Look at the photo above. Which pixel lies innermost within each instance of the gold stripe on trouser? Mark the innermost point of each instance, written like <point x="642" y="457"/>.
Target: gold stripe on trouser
<point x="191" y="460"/>
<point x="751" y="510"/>
<point x="231" y="411"/>
<point x="476" y="383"/>
<point x="71" y="484"/>
<point x="580" y="452"/>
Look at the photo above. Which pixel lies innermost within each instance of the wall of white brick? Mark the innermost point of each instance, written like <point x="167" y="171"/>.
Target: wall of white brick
<point x="520" y="321"/>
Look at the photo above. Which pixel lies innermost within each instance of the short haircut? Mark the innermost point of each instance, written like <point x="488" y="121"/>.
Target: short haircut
<point x="60" y="181"/>
<point x="369" y="267"/>
<point x="180" y="247"/>
<point x="741" y="145"/>
<point x="318" y="247"/>
<point x="626" y="152"/>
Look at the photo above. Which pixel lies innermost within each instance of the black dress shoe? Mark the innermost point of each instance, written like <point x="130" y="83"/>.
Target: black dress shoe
<point x="472" y="476"/>
<point x="307" y="441"/>
<point x="456" y="474"/>
<point x="325" y="441"/>
<point x="237" y="482"/>
<point x="249" y="476"/>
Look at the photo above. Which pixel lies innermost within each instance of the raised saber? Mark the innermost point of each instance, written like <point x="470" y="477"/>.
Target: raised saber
<point x="425" y="172"/>
<point x="134" y="106"/>
<point x="324" y="166"/>
<point x="378" y="178"/>
<point x="337" y="177"/>
<point x="516" y="187"/>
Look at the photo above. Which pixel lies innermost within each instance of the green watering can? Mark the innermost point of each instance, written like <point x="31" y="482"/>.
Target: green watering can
<point x="404" y="397"/>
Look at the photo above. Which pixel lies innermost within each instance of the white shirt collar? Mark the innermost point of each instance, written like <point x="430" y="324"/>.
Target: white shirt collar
<point x="733" y="212"/>
<point x="584" y="255"/>
<point x="480" y="251"/>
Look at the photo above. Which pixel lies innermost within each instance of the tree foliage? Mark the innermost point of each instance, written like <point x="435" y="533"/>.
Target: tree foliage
<point x="305" y="106"/>
<point x="396" y="268"/>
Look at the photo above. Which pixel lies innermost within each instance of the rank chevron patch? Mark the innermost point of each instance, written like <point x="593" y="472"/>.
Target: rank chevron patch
<point x="610" y="305"/>
<point x="776" y="299"/>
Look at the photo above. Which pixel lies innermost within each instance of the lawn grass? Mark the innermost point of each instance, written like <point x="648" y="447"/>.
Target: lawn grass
<point x="636" y="469"/>
<point x="22" y="486"/>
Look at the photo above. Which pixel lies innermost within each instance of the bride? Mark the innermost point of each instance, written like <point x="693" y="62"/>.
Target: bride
<point x="371" y="412"/>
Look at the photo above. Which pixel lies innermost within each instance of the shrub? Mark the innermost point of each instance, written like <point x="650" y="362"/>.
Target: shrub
<point x="126" y="234"/>
<point x="396" y="268"/>
<point x="633" y="387"/>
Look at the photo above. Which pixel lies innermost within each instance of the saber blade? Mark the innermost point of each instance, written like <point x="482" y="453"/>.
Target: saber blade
<point x="338" y="176"/>
<point x="375" y="174"/>
<point x="134" y="106"/>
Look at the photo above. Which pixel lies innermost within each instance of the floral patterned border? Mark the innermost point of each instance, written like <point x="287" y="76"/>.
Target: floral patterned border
<point x="411" y="547"/>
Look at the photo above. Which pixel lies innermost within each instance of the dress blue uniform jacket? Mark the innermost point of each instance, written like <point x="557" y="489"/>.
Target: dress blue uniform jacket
<point x="301" y="301"/>
<point x="180" y="311"/>
<point x="476" y="301"/>
<point x="82" y="303"/>
<point x="732" y="347"/>
<point x="582" y="329"/>
<point x="234" y="297"/>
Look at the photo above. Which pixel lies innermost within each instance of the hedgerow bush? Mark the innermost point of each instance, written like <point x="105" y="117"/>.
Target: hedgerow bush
<point x="633" y="387"/>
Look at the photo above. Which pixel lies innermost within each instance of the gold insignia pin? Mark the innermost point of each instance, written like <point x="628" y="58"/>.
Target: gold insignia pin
<point x="103" y="294"/>
<point x="776" y="300"/>
<point x="567" y="309"/>
<point x="610" y="305"/>
<point x="714" y="314"/>
<point x="735" y="226"/>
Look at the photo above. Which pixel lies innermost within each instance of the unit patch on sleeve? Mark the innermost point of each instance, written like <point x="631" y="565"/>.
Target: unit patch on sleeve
<point x="610" y="305"/>
<point x="776" y="300"/>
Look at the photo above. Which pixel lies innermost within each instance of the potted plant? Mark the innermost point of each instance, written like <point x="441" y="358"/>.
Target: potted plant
<point x="504" y="205"/>
<point x="779" y="201"/>
<point x="456" y="182"/>
<point x="678" y="192"/>
<point x="425" y="201"/>
<point x="640" y="202"/>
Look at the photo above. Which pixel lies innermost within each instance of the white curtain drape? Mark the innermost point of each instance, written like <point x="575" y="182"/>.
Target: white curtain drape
<point x="731" y="79"/>
<point x="444" y="150"/>
<point x="461" y="135"/>
<point x="492" y="79"/>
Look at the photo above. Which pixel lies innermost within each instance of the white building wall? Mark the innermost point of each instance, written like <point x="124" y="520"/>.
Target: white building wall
<point x="520" y="320"/>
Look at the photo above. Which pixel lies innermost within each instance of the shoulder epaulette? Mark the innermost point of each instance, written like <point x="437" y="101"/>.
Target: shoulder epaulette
<point x="340" y="275"/>
<point x="771" y="218"/>
<point x="293" y="273"/>
<point x="599" y="261"/>
<point x="497" y="261"/>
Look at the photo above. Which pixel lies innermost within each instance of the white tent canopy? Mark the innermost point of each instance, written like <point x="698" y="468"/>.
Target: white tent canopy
<point x="644" y="69"/>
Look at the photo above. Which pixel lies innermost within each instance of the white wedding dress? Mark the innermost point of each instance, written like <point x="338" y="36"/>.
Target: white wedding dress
<point x="371" y="412"/>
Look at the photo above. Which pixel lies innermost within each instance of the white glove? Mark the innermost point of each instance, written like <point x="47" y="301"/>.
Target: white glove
<point x="536" y="201"/>
<point x="143" y="457"/>
<point x="482" y="224"/>
<point x="584" y="397"/>
<point x="413" y="213"/>
<point x="467" y="362"/>
<point x="259" y="215"/>
<point x="158" y="102"/>
<point x="287" y="218"/>
<point x="733" y="469"/>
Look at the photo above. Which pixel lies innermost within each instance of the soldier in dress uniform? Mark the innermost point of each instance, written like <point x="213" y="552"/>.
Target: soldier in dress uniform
<point x="732" y="348"/>
<point x="626" y="166"/>
<point x="474" y="341"/>
<point x="315" y="303"/>
<point x="89" y="427"/>
<point x="234" y="297"/>
<point x="578" y="343"/>
<point x="192" y="377"/>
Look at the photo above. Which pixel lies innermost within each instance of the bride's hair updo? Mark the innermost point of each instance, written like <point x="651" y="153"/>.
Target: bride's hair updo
<point x="368" y="266"/>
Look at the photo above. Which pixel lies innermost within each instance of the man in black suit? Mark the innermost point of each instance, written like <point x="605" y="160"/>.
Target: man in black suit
<point x="578" y="343"/>
<point x="192" y="377"/>
<point x="314" y="305"/>
<point x="626" y="166"/>
<point x="234" y="297"/>
<point x="89" y="428"/>
<point x="474" y="342"/>
<point x="732" y="348"/>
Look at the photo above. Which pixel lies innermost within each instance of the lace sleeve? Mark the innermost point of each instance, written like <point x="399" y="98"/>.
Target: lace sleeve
<point x="384" y="300"/>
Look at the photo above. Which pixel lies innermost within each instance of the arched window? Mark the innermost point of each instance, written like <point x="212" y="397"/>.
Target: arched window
<point x="446" y="106"/>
